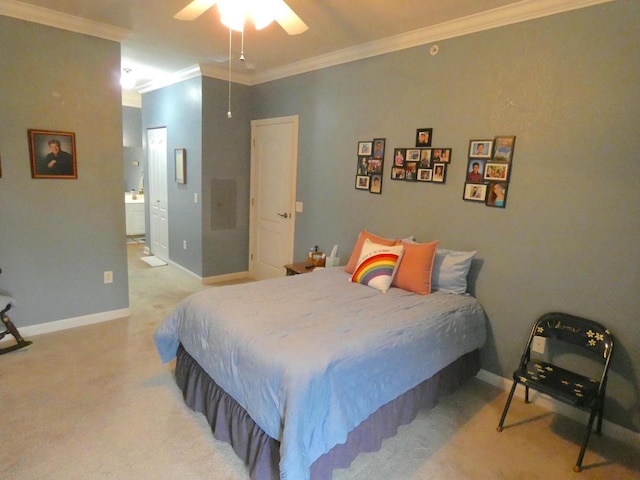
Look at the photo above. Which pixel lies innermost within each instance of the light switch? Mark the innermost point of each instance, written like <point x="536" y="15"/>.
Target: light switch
<point x="299" y="207"/>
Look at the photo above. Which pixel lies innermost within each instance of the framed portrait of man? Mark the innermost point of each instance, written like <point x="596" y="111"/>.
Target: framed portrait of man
<point x="52" y="154"/>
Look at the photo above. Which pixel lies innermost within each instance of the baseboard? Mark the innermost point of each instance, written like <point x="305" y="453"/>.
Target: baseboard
<point x="609" y="429"/>
<point x="48" y="327"/>
<point x="227" y="277"/>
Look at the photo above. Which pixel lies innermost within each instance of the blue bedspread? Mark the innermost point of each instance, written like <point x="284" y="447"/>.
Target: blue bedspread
<point x="310" y="357"/>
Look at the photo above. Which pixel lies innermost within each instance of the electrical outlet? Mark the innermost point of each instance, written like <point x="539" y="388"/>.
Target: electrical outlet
<point x="108" y="277"/>
<point x="184" y="244"/>
<point x="195" y="197"/>
<point x="539" y="344"/>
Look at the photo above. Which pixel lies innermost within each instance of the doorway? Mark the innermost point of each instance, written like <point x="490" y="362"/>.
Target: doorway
<point x="274" y="158"/>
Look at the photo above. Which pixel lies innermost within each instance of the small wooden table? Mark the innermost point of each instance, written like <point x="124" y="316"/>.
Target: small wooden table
<point x="298" y="268"/>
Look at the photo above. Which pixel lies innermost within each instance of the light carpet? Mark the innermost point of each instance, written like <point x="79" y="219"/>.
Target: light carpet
<point x="95" y="402"/>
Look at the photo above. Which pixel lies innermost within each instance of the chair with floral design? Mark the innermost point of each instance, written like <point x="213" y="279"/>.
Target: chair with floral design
<point x="554" y="363"/>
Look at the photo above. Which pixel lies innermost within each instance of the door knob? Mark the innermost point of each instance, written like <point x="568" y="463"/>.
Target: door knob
<point x="283" y="215"/>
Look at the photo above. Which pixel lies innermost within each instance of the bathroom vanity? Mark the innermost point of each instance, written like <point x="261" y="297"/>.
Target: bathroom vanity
<point x="134" y="211"/>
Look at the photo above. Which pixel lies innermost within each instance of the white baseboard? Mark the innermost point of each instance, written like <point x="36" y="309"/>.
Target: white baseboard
<point x="609" y="429"/>
<point x="227" y="277"/>
<point x="39" y="329"/>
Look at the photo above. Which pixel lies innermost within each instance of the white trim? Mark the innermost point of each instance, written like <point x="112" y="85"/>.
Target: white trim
<point x="498" y="17"/>
<point x="223" y="74"/>
<point x="131" y="98"/>
<point x="609" y="429"/>
<point x="171" y="79"/>
<point x="57" y="325"/>
<point x="227" y="277"/>
<point x="64" y="21"/>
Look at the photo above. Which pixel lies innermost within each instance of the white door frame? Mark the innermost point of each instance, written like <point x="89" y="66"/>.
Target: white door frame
<point x="294" y="120"/>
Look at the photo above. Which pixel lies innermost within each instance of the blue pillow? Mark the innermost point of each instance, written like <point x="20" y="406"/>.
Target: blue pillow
<point x="450" y="270"/>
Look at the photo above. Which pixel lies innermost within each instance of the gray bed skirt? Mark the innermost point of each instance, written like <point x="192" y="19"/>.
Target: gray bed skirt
<point x="232" y="424"/>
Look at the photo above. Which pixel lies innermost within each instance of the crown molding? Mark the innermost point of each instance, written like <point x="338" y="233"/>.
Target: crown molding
<point x="508" y="15"/>
<point x="64" y="21"/>
<point x="223" y="74"/>
<point x="131" y="98"/>
<point x="170" y="79"/>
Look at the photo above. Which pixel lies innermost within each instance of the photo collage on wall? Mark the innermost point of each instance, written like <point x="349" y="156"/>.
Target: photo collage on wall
<point x="370" y="165"/>
<point x="422" y="163"/>
<point x="489" y="170"/>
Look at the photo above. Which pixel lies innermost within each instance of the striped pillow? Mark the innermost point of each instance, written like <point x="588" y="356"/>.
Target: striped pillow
<point x="377" y="265"/>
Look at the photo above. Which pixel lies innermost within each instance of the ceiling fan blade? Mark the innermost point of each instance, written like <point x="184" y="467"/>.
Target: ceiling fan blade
<point x="287" y="18"/>
<point x="194" y="9"/>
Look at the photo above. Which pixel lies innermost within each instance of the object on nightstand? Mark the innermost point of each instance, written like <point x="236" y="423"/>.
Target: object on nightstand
<point x="332" y="260"/>
<point x="316" y="258"/>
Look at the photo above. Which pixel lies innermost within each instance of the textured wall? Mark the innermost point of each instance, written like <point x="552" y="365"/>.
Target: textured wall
<point x="59" y="236"/>
<point x="568" y="87"/>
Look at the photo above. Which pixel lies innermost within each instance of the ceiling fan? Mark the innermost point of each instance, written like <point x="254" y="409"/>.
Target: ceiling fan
<point x="234" y="13"/>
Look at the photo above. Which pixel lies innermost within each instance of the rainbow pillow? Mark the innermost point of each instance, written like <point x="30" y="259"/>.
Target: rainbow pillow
<point x="377" y="265"/>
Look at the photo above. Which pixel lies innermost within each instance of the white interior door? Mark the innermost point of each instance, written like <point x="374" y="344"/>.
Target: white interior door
<point x="274" y="157"/>
<point x="157" y="192"/>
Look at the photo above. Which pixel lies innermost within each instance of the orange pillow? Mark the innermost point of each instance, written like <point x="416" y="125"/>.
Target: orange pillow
<point x="414" y="272"/>
<point x="350" y="267"/>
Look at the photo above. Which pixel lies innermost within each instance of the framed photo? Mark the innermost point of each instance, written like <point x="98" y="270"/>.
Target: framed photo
<point x="423" y="137"/>
<point x="399" y="157"/>
<point x="376" y="184"/>
<point x="424" y="174"/>
<point x="363" y="165"/>
<point x="374" y="165"/>
<point x="397" y="173"/>
<point x="411" y="171"/>
<point x="413" y="155"/>
<point x="53" y="154"/>
<point x="445" y="155"/>
<point x="364" y="148"/>
<point x="180" y="157"/>
<point x="475" y="170"/>
<point x="480" y="148"/>
<point x="362" y="182"/>
<point x="378" y="148"/>
<point x="503" y="148"/>
<point x="475" y="192"/>
<point x="425" y="158"/>
<point x="439" y="174"/>
<point x="497" y="194"/>
<point x="496" y="171"/>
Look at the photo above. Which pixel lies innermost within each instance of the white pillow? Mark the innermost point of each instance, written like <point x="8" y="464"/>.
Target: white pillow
<point x="377" y="265"/>
<point x="450" y="270"/>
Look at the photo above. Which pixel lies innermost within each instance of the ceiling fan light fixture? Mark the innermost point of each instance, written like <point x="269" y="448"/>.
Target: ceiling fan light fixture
<point x="234" y="13"/>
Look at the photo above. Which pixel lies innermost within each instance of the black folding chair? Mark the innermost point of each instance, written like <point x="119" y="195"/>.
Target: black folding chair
<point x="563" y="384"/>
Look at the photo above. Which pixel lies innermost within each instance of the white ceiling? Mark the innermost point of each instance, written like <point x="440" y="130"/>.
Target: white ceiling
<point x="154" y="44"/>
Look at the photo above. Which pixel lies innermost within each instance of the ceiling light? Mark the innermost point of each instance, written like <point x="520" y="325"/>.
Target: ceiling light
<point x="235" y="13"/>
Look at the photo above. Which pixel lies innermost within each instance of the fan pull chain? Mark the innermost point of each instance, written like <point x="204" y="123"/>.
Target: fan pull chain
<point x="229" y="111"/>
<point x="242" y="48"/>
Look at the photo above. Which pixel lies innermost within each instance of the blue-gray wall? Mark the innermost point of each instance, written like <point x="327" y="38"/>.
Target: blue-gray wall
<point x="133" y="152"/>
<point x="568" y="86"/>
<point x="218" y="149"/>
<point x="59" y="236"/>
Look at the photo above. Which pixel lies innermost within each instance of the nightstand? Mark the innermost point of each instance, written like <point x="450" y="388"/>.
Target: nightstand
<point x="297" y="268"/>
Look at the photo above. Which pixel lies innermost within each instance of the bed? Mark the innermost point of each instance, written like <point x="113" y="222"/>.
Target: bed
<point x="301" y="373"/>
